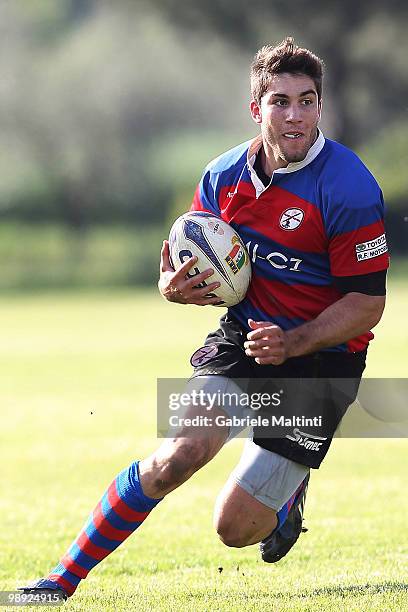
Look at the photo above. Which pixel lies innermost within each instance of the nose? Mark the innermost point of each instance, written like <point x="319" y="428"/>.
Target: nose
<point x="294" y="114"/>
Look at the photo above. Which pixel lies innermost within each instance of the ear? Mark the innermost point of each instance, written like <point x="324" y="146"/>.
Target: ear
<point x="320" y="109"/>
<point x="255" y="111"/>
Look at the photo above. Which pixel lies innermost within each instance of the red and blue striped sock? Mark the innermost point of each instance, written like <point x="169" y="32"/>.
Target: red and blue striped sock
<point x="119" y="513"/>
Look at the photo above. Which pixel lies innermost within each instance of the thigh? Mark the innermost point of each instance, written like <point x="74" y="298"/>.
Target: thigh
<point x="257" y="489"/>
<point x="226" y="395"/>
<point x="318" y="390"/>
<point x="239" y="518"/>
<point x="267" y="476"/>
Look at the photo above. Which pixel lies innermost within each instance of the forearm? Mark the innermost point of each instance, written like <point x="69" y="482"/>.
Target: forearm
<point x="347" y="318"/>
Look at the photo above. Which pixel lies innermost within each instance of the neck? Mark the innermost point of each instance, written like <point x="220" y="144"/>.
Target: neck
<point x="271" y="160"/>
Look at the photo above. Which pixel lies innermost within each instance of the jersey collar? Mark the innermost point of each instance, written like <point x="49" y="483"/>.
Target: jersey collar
<point x="256" y="144"/>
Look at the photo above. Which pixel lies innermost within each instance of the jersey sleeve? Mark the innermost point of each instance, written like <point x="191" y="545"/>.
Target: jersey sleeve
<point x="355" y="226"/>
<point x="369" y="284"/>
<point x="204" y="196"/>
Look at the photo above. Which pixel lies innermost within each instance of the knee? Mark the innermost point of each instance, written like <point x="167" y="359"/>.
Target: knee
<point x="237" y="531"/>
<point x="230" y="534"/>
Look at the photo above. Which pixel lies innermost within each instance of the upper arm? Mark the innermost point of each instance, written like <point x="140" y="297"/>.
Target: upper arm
<point x="204" y="196"/>
<point x="373" y="283"/>
<point x="354" y="221"/>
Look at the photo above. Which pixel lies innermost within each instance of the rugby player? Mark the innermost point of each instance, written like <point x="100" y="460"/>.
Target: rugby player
<point x="311" y="215"/>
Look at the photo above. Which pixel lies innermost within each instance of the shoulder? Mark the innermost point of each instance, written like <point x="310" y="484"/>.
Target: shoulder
<point x="350" y="197"/>
<point x="229" y="161"/>
<point x="344" y="178"/>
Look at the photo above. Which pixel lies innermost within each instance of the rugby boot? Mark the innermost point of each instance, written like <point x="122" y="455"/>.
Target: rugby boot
<point x="282" y="538"/>
<point x="43" y="586"/>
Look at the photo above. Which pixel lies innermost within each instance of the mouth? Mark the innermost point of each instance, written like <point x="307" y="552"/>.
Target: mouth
<point x="293" y="135"/>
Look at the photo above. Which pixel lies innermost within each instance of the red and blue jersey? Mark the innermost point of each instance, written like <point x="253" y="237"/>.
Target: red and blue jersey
<point x="318" y="219"/>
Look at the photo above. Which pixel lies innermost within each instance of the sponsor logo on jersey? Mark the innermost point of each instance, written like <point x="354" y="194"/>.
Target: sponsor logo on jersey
<point x="291" y="218"/>
<point x="371" y="248"/>
<point x="308" y="441"/>
<point x="203" y="355"/>
<point x="276" y="259"/>
<point x="236" y="257"/>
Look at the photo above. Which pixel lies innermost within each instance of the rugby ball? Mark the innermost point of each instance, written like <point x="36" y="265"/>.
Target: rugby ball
<point x="216" y="245"/>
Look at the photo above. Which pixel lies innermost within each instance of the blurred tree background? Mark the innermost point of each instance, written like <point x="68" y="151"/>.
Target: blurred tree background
<point x="109" y="111"/>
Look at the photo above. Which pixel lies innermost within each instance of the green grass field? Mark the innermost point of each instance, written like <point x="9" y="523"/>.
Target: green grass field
<point x="78" y="378"/>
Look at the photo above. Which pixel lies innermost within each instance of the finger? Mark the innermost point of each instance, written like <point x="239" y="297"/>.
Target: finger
<point x="199" y="295"/>
<point x="264" y="352"/>
<point x="165" y="265"/>
<point x="172" y="294"/>
<point x="265" y="332"/>
<point x="181" y="273"/>
<point x="264" y="343"/>
<point x="204" y="291"/>
<point x="199" y="278"/>
<point x="262" y="347"/>
<point x="257" y="324"/>
<point x="206" y="301"/>
<point x="269" y="360"/>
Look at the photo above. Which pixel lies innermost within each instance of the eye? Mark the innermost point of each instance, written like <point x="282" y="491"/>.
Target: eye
<point x="307" y="102"/>
<point x="280" y="102"/>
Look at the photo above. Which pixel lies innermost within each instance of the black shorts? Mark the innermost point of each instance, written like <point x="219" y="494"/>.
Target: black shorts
<point x="315" y="390"/>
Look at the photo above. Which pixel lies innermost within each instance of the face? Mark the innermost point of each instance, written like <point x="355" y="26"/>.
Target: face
<point x="288" y="116"/>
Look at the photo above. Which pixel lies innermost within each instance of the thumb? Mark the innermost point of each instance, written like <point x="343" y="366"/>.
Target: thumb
<point x="165" y="264"/>
<point x="257" y="324"/>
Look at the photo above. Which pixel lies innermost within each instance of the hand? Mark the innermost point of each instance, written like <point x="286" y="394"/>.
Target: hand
<point x="175" y="287"/>
<point x="267" y="343"/>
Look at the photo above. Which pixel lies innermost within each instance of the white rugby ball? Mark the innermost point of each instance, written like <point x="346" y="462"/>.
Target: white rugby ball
<point x="216" y="245"/>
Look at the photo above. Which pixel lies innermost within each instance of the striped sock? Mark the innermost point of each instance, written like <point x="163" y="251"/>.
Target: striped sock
<point x="120" y="512"/>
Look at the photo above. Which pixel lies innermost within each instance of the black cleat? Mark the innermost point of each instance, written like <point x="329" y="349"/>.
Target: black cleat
<point x="281" y="540"/>
<point x="43" y="586"/>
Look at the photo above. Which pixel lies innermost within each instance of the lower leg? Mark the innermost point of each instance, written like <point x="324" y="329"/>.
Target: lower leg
<point x="121" y="510"/>
<point x="174" y="463"/>
<point x="128" y="501"/>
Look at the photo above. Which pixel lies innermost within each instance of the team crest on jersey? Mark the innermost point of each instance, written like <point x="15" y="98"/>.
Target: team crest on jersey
<point x="291" y="218"/>
<point x="236" y="257"/>
<point x="203" y="354"/>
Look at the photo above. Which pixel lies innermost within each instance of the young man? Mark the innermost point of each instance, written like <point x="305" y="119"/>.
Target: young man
<point x="311" y="216"/>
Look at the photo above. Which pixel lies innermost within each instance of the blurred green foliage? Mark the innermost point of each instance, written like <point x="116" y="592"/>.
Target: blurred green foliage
<point x="83" y="109"/>
<point x="109" y="111"/>
<point x="54" y="256"/>
<point x="386" y="154"/>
